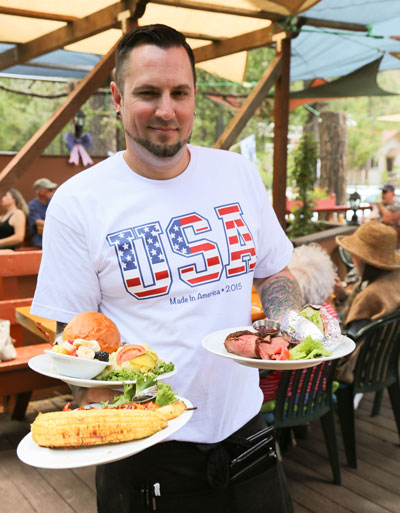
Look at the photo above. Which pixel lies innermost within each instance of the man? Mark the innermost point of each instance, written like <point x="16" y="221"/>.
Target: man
<point x="44" y="189"/>
<point x="166" y="238"/>
<point x="388" y="207"/>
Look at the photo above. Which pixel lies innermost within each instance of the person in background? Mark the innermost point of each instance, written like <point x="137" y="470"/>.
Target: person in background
<point x="387" y="207"/>
<point x="13" y="222"/>
<point x="377" y="293"/>
<point x="167" y="238"/>
<point x="44" y="189"/>
<point x="316" y="275"/>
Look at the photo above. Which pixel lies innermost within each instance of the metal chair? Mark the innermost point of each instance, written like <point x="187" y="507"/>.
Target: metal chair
<point x="376" y="368"/>
<point x="306" y="395"/>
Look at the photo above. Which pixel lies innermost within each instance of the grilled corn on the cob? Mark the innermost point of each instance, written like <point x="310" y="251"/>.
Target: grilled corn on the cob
<point x="173" y="410"/>
<point x="79" y="428"/>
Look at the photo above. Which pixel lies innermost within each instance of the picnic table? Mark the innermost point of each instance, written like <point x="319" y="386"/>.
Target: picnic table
<point x="28" y="321"/>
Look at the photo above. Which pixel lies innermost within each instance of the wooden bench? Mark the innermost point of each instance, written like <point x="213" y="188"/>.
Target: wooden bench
<point x="18" y="378"/>
<point x="18" y="276"/>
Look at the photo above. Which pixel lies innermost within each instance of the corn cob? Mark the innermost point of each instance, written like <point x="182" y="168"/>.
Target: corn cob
<point x="171" y="411"/>
<point x="80" y="428"/>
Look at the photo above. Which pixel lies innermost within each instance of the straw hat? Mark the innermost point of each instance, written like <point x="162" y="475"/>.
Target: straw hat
<point x="375" y="243"/>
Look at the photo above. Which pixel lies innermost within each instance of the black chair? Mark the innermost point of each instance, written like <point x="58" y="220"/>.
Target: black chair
<point x="306" y="395"/>
<point x="376" y="368"/>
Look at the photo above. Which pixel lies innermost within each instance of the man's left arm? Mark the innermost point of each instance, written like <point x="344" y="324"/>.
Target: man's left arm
<point x="278" y="293"/>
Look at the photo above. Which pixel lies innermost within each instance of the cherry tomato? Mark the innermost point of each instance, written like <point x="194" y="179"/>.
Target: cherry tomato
<point x="129" y="352"/>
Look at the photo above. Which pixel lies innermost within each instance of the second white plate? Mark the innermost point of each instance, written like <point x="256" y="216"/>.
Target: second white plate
<point x="32" y="454"/>
<point x="214" y="343"/>
<point x="43" y="365"/>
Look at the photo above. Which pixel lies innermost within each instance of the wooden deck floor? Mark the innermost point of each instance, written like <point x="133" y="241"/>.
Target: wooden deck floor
<point x="373" y="488"/>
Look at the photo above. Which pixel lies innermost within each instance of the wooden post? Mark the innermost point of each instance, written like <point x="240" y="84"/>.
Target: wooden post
<point x="250" y="105"/>
<point x="281" y="121"/>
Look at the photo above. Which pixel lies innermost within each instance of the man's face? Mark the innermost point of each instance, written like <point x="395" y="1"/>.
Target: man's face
<point x="158" y="100"/>
<point x="388" y="196"/>
<point x="45" y="194"/>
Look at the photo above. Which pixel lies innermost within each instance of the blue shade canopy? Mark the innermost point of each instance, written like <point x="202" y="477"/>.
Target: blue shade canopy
<point x="323" y="52"/>
<point x="57" y="64"/>
<point x="316" y="51"/>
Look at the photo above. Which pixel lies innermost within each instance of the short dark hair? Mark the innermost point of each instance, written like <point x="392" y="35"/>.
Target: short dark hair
<point x="158" y="35"/>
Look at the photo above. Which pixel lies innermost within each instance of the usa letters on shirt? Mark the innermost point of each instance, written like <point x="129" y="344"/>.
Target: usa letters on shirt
<point x="143" y="261"/>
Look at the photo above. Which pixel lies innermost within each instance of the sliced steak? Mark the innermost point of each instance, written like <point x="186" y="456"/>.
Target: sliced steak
<point x="242" y="343"/>
<point x="268" y="350"/>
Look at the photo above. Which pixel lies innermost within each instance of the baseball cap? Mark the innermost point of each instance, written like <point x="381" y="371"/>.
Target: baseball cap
<point x="44" y="183"/>
<point x="388" y="187"/>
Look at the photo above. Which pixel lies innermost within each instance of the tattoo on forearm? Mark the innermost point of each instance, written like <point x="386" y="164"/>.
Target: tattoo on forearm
<point x="279" y="295"/>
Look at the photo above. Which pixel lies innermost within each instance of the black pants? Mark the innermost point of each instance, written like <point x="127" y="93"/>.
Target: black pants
<point x="181" y="469"/>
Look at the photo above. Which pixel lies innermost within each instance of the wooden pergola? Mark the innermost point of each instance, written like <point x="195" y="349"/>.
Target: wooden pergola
<point x="126" y="14"/>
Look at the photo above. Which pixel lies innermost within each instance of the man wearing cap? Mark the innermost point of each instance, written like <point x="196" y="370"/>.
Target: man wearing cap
<point x="387" y="209"/>
<point x="44" y="189"/>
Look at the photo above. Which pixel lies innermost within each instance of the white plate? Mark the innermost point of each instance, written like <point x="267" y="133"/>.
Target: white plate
<point x="214" y="342"/>
<point x="30" y="453"/>
<point x="43" y="365"/>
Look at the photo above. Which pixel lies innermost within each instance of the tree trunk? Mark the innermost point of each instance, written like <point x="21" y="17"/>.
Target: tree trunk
<point x="333" y="154"/>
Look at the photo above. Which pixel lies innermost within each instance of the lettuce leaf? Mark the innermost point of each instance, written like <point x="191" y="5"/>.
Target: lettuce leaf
<point x="122" y="374"/>
<point x="308" y="349"/>
<point x="165" y="395"/>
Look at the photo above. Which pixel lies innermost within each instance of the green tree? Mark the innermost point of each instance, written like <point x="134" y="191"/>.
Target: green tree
<point x="304" y="173"/>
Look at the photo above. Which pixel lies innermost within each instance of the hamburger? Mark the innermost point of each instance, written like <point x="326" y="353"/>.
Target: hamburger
<point x="89" y="335"/>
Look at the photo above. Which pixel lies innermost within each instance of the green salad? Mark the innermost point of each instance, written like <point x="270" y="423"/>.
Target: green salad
<point x="125" y="374"/>
<point x="308" y="349"/>
<point x="165" y="394"/>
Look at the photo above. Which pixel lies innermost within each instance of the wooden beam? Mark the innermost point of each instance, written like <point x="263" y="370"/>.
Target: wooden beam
<point x="202" y="37"/>
<point x="75" y="31"/>
<point x="12" y="11"/>
<point x="220" y="9"/>
<point x="250" y="105"/>
<point x="281" y="123"/>
<point x="255" y="39"/>
<point x="260" y="14"/>
<point x="34" y="147"/>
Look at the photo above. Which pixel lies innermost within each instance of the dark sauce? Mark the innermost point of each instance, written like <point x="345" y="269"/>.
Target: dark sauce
<point x="263" y="331"/>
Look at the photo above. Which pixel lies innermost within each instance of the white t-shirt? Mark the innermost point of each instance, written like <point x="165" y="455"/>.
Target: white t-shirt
<point x="169" y="261"/>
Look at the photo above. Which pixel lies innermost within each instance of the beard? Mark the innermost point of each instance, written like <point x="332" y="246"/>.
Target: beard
<point x="161" y="150"/>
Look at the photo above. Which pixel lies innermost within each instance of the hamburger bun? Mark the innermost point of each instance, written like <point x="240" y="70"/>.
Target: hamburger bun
<point x="94" y="326"/>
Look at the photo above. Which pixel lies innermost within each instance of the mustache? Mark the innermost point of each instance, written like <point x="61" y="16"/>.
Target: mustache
<point x="161" y="123"/>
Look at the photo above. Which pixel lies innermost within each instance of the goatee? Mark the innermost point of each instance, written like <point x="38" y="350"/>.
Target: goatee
<point x="161" y="150"/>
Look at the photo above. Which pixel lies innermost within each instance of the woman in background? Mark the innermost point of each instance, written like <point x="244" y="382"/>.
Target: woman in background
<point x="13" y="222"/>
<point x="373" y="247"/>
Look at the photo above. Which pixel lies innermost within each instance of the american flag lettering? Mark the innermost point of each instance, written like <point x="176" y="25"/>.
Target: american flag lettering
<point x="242" y="253"/>
<point x="177" y="232"/>
<point x="143" y="260"/>
<point x="158" y="275"/>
